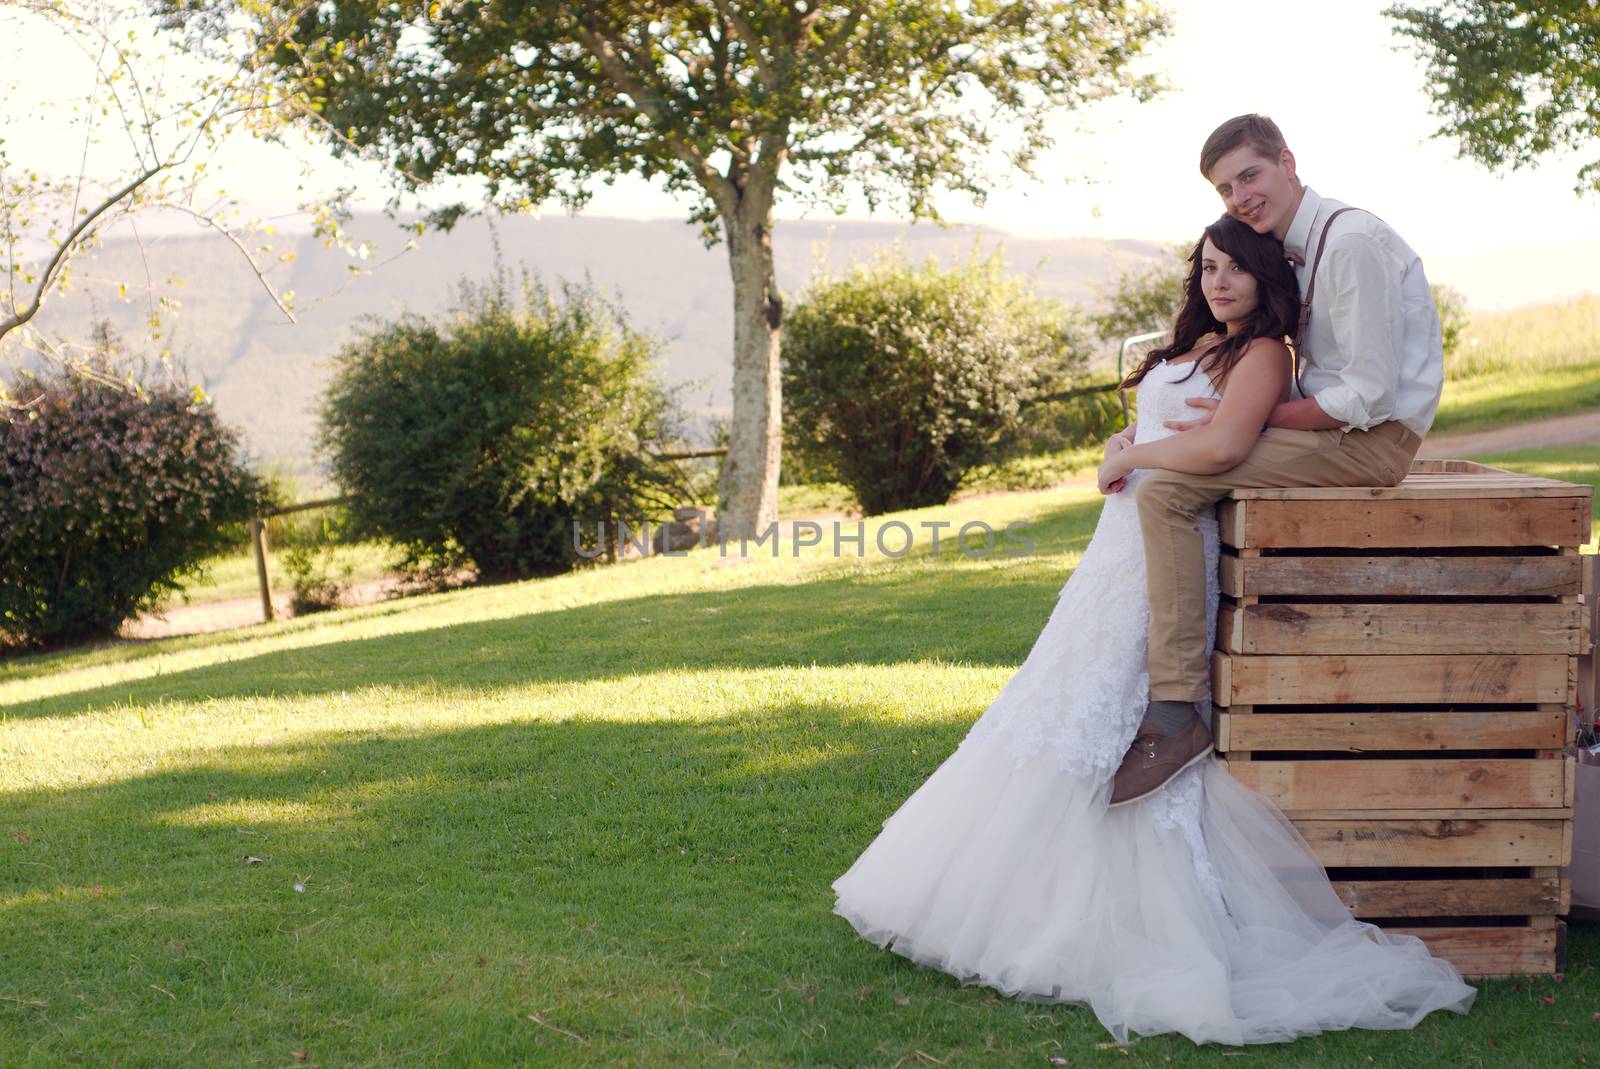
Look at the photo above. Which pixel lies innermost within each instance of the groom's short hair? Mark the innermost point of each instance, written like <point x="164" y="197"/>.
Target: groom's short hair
<point x="1257" y="131"/>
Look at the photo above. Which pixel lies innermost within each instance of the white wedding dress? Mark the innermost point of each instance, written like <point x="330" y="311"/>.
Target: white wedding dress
<point x="1199" y="910"/>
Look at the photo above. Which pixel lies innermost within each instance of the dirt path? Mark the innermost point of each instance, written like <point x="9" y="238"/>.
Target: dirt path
<point x="1580" y="428"/>
<point x="207" y="616"/>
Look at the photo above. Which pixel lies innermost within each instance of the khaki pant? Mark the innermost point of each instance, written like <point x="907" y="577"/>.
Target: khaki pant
<point x="1169" y="501"/>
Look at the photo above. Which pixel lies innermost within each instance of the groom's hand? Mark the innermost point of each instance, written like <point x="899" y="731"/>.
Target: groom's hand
<point x="1208" y="403"/>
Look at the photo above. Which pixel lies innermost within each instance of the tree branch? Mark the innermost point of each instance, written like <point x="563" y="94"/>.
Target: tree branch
<point x="842" y="33"/>
<point x="65" y="247"/>
<point x="603" y="49"/>
<point x="746" y="34"/>
<point x="236" y="243"/>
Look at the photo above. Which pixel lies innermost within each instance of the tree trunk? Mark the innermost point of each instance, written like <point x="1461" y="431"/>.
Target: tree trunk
<point x="747" y="496"/>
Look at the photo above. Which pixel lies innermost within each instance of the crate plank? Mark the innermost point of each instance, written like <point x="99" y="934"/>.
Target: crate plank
<point x="1372" y="899"/>
<point x="1413" y="813"/>
<point x="1401" y="576"/>
<point x="1345" y="680"/>
<point x="1422" y="488"/>
<point x="1289" y="628"/>
<point x="1429" y="477"/>
<point x="1436" y="466"/>
<point x="1467" y="783"/>
<point x="1368" y="523"/>
<point x="1365" y="732"/>
<point x="1434" y="843"/>
<point x="1494" y="951"/>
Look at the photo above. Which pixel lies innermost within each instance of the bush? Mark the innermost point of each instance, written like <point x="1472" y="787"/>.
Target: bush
<point x="1144" y="299"/>
<point x="899" y="380"/>
<point x="481" y="439"/>
<point x="309" y="558"/>
<point x="1453" y="319"/>
<point x="113" y="495"/>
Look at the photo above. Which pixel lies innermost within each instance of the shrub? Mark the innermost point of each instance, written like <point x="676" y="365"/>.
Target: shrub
<point x="482" y="438"/>
<point x="309" y="558"/>
<point x="1453" y="318"/>
<point x="1144" y="299"/>
<point x="898" y="380"/>
<point x="112" y="496"/>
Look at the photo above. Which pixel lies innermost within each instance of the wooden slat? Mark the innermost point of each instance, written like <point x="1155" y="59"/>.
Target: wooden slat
<point x="1407" y="576"/>
<point x="1433" y="843"/>
<point x="1422" y="488"/>
<point x="1467" y="783"/>
<point x="1470" y="521"/>
<point x="1589" y="662"/>
<point x="1413" y="813"/>
<point x="1344" y="680"/>
<point x="1494" y="951"/>
<point x="1456" y="467"/>
<point x="1365" y="732"/>
<point x="1288" y="628"/>
<point x="1455" y="897"/>
<point x="1425" y="478"/>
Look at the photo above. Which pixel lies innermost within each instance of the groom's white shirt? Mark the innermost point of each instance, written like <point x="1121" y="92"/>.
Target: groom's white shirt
<point x="1374" y="335"/>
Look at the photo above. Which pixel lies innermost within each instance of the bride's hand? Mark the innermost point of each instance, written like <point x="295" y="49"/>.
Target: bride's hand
<point x="1208" y="403"/>
<point x="1113" y="475"/>
<point x="1114" y="445"/>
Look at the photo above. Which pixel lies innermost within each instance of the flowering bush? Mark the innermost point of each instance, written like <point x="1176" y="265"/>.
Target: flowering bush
<point x="110" y="498"/>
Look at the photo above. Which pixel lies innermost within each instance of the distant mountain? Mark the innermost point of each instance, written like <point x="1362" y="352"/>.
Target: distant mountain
<point x="267" y="375"/>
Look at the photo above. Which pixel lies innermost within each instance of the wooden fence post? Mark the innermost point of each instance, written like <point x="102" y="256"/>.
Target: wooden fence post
<point x="258" y="540"/>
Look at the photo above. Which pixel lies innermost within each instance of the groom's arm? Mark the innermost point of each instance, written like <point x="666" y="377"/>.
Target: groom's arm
<point x="1302" y="415"/>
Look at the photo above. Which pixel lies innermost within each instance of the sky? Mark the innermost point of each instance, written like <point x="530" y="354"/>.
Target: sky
<point x="1347" y="92"/>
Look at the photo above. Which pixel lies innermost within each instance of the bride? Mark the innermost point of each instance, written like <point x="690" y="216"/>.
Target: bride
<point x="1197" y="909"/>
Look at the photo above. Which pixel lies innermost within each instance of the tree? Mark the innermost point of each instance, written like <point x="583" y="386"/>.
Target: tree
<point x="1513" y="80"/>
<point x="145" y="123"/>
<point x="731" y="102"/>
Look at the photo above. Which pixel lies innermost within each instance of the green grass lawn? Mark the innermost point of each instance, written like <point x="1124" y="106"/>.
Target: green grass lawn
<point x="585" y="821"/>
<point x="1516" y="395"/>
<point x="1522" y="364"/>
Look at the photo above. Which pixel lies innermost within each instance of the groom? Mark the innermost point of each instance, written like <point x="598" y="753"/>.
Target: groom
<point x="1372" y="369"/>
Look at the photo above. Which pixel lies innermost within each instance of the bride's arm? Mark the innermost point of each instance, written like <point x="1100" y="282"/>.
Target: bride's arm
<point x="1255" y="386"/>
<point x="1119" y="441"/>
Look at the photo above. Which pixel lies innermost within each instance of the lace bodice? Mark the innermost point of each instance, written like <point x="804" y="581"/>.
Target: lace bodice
<point x="1162" y="396"/>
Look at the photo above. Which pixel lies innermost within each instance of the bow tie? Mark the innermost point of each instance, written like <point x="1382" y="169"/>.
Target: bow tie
<point x="1294" y="257"/>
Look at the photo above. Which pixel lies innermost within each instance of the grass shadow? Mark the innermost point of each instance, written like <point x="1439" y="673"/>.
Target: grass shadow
<point x="977" y="615"/>
<point x="655" y="892"/>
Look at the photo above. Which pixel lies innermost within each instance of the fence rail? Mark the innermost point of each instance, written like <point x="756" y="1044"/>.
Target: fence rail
<point x="258" y="541"/>
<point x="258" y="524"/>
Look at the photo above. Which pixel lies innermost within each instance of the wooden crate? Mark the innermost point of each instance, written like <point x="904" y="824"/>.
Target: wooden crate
<point x="1397" y="669"/>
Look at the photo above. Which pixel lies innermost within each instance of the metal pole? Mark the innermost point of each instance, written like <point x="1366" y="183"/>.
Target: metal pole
<point x="258" y="542"/>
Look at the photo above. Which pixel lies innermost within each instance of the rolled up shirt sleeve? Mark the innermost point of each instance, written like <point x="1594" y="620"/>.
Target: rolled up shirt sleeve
<point x="1364" y="284"/>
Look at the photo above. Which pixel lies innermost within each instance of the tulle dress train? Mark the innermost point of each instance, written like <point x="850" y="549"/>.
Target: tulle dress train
<point x="1199" y="910"/>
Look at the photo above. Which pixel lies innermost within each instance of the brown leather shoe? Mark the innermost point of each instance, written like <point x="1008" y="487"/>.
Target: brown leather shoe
<point x="1155" y="758"/>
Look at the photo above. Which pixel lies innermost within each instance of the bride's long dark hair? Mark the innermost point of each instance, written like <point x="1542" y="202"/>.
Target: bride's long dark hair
<point x="1276" y="315"/>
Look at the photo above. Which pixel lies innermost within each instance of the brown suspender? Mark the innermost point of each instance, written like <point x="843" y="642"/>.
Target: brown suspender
<point x="1301" y="356"/>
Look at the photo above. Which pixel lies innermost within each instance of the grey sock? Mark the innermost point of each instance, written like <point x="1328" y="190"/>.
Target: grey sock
<point x="1170" y="717"/>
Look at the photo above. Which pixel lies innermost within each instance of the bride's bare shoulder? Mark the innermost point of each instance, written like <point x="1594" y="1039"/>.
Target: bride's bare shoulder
<point x="1266" y="349"/>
